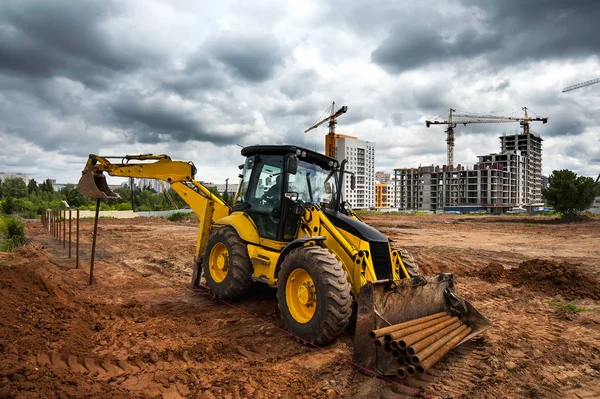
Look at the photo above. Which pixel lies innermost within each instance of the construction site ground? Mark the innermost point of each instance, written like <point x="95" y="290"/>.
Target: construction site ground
<point x="140" y="331"/>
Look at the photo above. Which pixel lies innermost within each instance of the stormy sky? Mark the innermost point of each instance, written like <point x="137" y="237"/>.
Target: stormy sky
<point x="195" y="79"/>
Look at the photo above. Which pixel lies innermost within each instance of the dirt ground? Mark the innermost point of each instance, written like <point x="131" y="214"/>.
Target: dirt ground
<point x="140" y="331"/>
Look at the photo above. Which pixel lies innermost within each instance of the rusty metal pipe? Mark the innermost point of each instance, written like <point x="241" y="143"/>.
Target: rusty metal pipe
<point x="436" y="356"/>
<point x="401" y="372"/>
<point x="378" y="342"/>
<point x="395" y="353"/>
<point x="411" y="370"/>
<point x="421" y="334"/>
<point x="412" y="329"/>
<point x="424" y="343"/>
<point x="426" y="352"/>
<point x="390" y="329"/>
<point x="387" y="347"/>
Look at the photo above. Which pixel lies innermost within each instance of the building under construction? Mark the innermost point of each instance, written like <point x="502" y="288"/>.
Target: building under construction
<point x="496" y="184"/>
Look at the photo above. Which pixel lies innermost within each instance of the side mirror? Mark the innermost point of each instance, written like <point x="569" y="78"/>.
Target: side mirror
<point x="292" y="164"/>
<point x="327" y="188"/>
<point x="352" y="182"/>
<point x="291" y="196"/>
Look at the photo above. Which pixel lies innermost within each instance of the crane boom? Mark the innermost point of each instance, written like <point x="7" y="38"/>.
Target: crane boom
<point x="582" y="84"/>
<point x="330" y="137"/>
<point x="472" y="118"/>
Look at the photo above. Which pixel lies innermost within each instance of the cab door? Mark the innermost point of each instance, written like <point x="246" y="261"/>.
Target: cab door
<point x="264" y="196"/>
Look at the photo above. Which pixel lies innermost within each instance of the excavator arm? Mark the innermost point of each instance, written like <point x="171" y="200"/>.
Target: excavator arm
<point x="179" y="174"/>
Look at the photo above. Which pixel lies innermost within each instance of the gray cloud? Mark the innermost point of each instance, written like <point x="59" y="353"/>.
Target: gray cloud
<point x="152" y="120"/>
<point x="252" y="58"/>
<point x="64" y="38"/>
<point x="505" y="32"/>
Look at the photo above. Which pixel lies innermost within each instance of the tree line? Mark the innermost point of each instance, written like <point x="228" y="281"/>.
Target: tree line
<point x="30" y="200"/>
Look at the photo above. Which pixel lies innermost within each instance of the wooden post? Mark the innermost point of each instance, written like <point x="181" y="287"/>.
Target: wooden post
<point x="94" y="241"/>
<point x="77" y="242"/>
<point x="64" y="228"/>
<point x="59" y="231"/>
<point x="70" y="237"/>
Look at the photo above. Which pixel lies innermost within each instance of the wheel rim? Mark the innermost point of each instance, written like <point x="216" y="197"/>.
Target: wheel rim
<point x="301" y="296"/>
<point x="218" y="262"/>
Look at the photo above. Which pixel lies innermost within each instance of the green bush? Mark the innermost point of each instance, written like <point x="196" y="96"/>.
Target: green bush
<point x="178" y="216"/>
<point x="12" y="234"/>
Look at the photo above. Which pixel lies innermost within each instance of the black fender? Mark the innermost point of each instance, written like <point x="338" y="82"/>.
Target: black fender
<point x="293" y="245"/>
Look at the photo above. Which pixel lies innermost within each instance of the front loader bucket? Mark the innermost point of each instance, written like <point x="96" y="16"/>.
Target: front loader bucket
<point x="93" y="185"/>
<point x="386" y="303"/>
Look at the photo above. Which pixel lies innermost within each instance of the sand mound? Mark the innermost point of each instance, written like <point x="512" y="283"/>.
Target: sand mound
<point x="493" y="272"/>
<point x="556" y="279"/>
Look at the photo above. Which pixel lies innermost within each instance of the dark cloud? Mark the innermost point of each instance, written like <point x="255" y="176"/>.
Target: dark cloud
<point x="299" y="84"/>
<point x="425" y="45"/>
<point x="44" y="39"/>
<point x="505" y="32"/>
<point x="199" y="75"/>
<point x="153" y="120"/>
<point x="249" y="57"/>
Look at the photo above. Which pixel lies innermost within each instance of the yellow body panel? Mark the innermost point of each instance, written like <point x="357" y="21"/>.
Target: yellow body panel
<point x="264" y="262"/>
<point x="243" y="224"/>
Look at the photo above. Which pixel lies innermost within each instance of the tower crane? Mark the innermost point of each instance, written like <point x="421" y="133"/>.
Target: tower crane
<point x="582" y="84"/>
<point x="465" y="118"/>
<point x="330" y="137"/>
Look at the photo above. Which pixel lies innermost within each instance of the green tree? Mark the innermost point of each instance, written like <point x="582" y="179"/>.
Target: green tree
<point x="73" y="196"/>
<point x="46" y="186"/>
<point x="570" y="194"/>
<point x="32" y="187"/>
<point x="14" y="187"/>
<point x="8" y="206"/>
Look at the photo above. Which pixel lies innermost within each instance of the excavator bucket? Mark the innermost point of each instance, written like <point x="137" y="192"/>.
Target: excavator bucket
<point x="92" y="184"/>
<point x="418" y="319"/>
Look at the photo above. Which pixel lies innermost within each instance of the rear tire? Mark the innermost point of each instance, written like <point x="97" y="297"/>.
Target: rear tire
<point x="409" y="263"/>
<point x="314" y="295"/>
<point x="227" y="267"/>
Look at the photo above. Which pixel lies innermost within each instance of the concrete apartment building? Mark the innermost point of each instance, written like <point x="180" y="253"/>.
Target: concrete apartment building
<point x="496" y="184"/>
<point x="4" y="176"/>
<point x="361" y="161"/>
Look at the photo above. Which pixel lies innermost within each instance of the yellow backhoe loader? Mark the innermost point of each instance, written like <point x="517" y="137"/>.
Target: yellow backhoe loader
<point x="290" y="228"/>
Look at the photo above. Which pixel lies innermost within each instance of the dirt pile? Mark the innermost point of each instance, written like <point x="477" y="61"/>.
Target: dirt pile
<point x="556" y="278"/>
<point x="492" y="273"/>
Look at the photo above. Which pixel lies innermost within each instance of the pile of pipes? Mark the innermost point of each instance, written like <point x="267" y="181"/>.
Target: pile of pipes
<point x="420" y="343"/>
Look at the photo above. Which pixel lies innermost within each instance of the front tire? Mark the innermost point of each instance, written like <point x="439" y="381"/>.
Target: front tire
<point x="227" y="267"/>
<point x="314" y="295"/>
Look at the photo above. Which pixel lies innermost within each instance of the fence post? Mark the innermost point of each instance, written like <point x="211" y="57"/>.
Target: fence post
<point x="59" y="232"/>
<point x="70" y="237"/>
<point x="94" y="241"/>
<point x="77" y="243"/>
<point x="64" y="228"/>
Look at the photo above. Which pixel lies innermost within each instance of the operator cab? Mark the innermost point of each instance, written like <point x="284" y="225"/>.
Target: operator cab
<point x="275" y="178"/>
